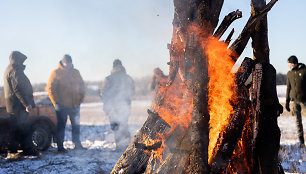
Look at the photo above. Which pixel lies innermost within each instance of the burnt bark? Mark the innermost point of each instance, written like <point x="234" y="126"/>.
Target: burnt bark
<point x="240" y="43"/>
<point x="266" y="109"/>
<point x="229" y="37"/>
<point x="227" y="21"/>
<point x="265" y="104"/>
<point x="134" y="160"/>
<point x="207" y="19"/>
<point x="177" y="161"/>
<point x="229" y="138"/>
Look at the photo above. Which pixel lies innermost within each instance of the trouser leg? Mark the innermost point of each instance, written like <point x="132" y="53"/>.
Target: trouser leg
<point x="25" y="131"/>
<point x="61" y="116"/>
<point x="20" y="132"/>
<point x="297" y="113"/>
<point x="13" y="135"/>
<point x="122" y="111"/>
<point x="74" y="116"/>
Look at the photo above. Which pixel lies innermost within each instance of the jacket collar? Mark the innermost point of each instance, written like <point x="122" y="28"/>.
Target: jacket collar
<point x="299" y="66"/>
<point x="61" y="66"/>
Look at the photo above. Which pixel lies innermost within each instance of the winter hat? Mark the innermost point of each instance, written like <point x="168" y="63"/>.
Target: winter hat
<point x="117" y="62"/>
<point x="293" y="59"/>
<point x="17" y="57"/>
<point x="66" y="59"/>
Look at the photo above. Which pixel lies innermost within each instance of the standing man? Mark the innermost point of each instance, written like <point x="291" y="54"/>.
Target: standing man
<point x="296" y="92"/>
<point x="158" y="79"/>
<point x="18" y="94"/>
<point x="66" y="90"/>
<point x="116" y="94"/>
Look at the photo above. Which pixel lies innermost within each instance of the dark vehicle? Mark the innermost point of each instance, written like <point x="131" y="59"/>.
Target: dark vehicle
<point x="42" y="121"/>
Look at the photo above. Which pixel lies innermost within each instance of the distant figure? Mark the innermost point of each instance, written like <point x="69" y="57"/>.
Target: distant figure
<point x="116" y="94"/>
<point x="296" y="92"/>
<point x="158" y="79"/>
<point x="66" y="90"/>
<point x="18" y="94"/>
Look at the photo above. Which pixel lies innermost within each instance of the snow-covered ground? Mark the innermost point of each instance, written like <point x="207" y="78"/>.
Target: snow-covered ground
<point x="100" y="157"/>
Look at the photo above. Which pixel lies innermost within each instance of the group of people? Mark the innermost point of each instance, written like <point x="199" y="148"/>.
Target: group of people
<point x="66" y="90"/>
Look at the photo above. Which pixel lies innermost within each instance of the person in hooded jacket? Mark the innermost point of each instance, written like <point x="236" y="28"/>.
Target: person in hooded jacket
<point x="296" y="93"/>
<point x="116" y="94"/>
<point x="18" y="94"/>
<point x="66" y="90"/>
<point x="158" y="79"/>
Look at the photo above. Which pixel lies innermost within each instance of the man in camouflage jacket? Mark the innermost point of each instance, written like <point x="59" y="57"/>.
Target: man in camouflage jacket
<point x="296" y="93"/>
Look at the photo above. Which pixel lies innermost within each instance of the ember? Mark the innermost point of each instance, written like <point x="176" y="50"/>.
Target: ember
<point x="148" y="147"/>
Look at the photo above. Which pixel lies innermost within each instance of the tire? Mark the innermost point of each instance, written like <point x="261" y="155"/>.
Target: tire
<point x="41" y="136"/>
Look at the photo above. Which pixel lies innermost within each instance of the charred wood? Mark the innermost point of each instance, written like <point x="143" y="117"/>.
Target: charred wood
<point x="134" y="160"/>
<point x="227" y="21"/>
<point x="229" y="138"/>
<point x="148" y="147"/>
<point x="229" y="37"/>
<point x="260" y="42"/>
<point x="177" y="160"/>
<point x="266" y="109"/>
<point x="240" y="43"/>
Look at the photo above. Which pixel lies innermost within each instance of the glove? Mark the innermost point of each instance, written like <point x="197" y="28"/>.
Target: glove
<point x="287" y="106"/>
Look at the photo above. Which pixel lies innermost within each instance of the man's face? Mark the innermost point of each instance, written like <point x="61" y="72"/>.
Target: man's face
<point x="291" y="65"/>
<point x="67" y="65"/>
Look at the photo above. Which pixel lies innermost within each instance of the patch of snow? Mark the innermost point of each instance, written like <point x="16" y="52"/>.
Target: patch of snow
<point x="98" y="138"/>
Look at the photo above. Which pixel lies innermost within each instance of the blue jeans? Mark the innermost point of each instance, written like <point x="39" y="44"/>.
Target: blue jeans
<point x="74" y="116"/>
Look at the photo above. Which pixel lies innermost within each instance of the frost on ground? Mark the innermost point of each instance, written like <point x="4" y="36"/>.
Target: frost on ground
<point x="99" y="139"/>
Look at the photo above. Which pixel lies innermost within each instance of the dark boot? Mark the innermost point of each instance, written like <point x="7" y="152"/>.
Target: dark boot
<point x="61" y="150"/>
<point x="30" y="152"/>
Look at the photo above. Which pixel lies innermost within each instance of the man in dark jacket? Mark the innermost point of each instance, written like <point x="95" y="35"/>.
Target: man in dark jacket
<point x="296" y="92"/>
<point x="116" y="94"/>
<point x="18" y="94"/>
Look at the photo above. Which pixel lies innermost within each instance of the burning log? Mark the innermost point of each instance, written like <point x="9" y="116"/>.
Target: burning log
<point x="229" y="138"/>
<point x="230" y="18"/>
<point x="134" y="160"/>
<point x="178" y="160"/>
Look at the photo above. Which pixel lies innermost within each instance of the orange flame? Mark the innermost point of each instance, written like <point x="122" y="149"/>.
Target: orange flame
<point x="220" y="89"/>
<point x="159" y="151"/>
<point x="177" y="105"/>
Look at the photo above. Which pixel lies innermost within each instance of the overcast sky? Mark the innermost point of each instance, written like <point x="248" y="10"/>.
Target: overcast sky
<point x="95" y="32"/>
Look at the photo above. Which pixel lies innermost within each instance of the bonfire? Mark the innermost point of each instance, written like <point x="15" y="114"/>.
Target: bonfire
<point x="202" y="120"/>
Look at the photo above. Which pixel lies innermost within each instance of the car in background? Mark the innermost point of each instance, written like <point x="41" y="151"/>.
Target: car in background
<point x="42" y="121"/>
